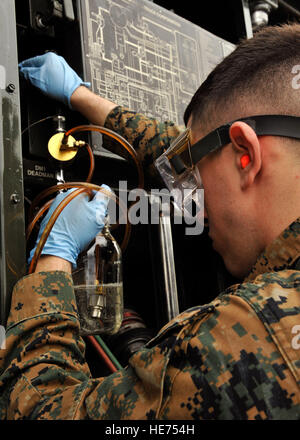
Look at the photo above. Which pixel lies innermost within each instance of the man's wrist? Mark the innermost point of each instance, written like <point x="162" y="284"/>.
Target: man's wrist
<point x="92" y="106"/>
<point x="47" y="263"/>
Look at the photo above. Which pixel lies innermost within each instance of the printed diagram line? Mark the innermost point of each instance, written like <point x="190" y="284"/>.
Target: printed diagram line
<point x="146" y="58"/>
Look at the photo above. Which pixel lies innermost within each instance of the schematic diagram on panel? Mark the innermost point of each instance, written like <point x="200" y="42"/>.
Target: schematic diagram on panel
<point x="138" y="59"/>
<point x="144" y="57"/>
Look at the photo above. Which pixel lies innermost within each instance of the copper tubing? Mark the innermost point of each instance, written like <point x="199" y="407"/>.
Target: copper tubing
<point x="102" y="130"/>
<point x="47" y="204"/>
<point x="43" y="209"/>
<point x="52" y="189"/>
<point x="82" y="187"/>
<point x="86" y="187"/>
<point x="119" y="139"/>
<point x="92" y="163"/>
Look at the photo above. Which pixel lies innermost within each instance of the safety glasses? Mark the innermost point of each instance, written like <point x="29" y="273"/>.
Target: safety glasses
<point x="182" y="178"/>
<point x="178" y="164"/>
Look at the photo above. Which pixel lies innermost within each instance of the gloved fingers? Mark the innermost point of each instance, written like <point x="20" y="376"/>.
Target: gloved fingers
<point x="53" y="75"/>
<point x="58" y="199"/>
<point x="106" y="188"/>
<point x="98" y="205"/>
<point x="72" y="225"/>
<point x="100" y="198"/>
<point x="36" y="65"/>
<point x="37" y="61"/>
<point x="30" y="72"/>
<point x="62" y="195"/>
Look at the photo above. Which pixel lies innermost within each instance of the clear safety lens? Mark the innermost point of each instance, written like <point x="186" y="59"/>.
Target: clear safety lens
<point x="186" y="188"/>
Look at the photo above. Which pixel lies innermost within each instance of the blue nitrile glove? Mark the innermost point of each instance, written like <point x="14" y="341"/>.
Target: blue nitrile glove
<point x="76" y="226"/>
<point x="52" y="75"/>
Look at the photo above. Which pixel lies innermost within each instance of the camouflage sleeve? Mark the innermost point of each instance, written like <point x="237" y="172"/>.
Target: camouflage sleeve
<point x="148" y="136"/>
<point x="218" y="361"/>
<point x="43" y="372"/>
<point x="214" y="362"/>
<point x="44" y="354"/>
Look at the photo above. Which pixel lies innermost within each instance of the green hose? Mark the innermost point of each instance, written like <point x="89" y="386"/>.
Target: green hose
<point x="108" y="352"/>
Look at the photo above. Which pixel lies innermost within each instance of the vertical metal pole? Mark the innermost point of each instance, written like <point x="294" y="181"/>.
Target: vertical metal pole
<point x="247" y="18"/>
<point x="12" y="226"/>
<point x="168" y="263"/>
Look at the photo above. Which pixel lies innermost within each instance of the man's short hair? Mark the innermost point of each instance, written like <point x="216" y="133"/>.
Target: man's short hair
<point x="256" y="78"/>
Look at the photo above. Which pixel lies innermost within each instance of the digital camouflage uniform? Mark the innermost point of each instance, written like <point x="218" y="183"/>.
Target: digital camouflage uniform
<point x="235" y="358"/>
<point x="148" y="137"/>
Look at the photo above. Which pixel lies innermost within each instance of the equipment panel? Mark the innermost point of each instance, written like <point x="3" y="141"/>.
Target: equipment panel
<point x="144" y="57"/>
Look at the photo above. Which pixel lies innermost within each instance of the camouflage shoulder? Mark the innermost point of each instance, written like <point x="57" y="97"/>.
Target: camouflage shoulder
<point x="42" y="293"/>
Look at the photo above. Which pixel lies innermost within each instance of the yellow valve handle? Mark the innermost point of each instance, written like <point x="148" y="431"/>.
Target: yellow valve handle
<point x="54" y="147"/>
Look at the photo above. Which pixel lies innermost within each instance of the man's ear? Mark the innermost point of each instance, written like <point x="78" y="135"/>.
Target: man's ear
<point x="245" y="142"/>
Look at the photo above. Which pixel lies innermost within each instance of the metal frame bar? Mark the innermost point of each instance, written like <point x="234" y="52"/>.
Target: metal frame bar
<point x="247" y="18"/>
<point x="169" y="270"/>
<point x="12" y="224"/>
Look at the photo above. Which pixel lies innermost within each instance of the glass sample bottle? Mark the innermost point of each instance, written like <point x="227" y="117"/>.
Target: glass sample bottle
<point x="98" y="286"/>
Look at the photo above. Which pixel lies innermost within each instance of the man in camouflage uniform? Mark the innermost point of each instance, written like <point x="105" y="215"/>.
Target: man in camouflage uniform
<point x="235" y="358"/>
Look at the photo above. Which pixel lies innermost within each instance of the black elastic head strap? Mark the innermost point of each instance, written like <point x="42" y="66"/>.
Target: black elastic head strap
<point x="263" y="125"/>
